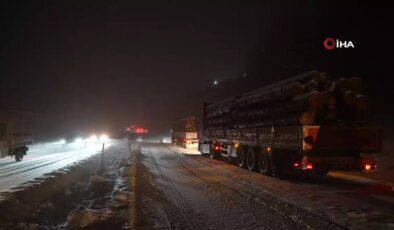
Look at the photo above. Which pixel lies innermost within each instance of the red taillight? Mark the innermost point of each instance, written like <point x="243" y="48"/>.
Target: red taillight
<point x="368" y="164"/>
<point x="309" y="166"/>
<point x="187" y="140"/>
<point x="296" y="165"/>
<point x="217" y="148"/>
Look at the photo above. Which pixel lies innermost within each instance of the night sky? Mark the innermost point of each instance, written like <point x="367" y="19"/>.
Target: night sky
<point x="82" y="67"/>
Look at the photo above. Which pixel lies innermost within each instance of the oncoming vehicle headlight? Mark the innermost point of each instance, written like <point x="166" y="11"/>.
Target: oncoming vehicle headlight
<point x="92" y="138"/>
<point x="104" y="137"/>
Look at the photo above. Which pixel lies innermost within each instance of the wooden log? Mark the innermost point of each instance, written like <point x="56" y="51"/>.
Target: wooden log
<point x="355" y="84"/>
<point x="350" y="98"/>
<point x="329" y="86"/>
<point x="298" y="105"/>
<point x="308" y="117"/>
<point x="361" y="103"/>
<point x="324" y="77"/>
<point x="327" y="98"/>
<point x="311" y="86"/>
<point x="341" y="86"/>
<point x="295" y="89"/>
<point x="317" y="77"/>
<point x="309" y="101"/>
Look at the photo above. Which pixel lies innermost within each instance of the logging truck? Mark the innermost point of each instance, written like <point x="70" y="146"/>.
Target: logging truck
<point x="305" y="123"/>
<point x="15" y="134"/>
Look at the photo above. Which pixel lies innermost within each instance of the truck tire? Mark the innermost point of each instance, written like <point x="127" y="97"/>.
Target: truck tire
<point x="241" y="158"/>
<point x="18" y="156"/>
<point x="212" y="153"/>
<point x="251" y="159"/>
<point x="264" y="163"/>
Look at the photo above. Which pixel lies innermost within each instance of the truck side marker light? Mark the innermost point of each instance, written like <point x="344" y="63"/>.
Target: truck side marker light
<point x="368" y="167"/>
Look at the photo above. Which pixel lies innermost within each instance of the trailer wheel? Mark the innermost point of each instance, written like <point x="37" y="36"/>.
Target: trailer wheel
<point x="241" y="159"/>
<point x="18" y="156"/>
<point x="251" y="159"/>
<point x="212" y="153"/>
<point x="264" y="163"/>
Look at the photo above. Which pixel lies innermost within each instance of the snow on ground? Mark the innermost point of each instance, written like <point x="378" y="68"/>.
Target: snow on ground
<point x="353" y="201"/>
<point x="148" y="184"/>
<point x="91" y="191"/>
<point x="44" y="158"/>
<point x="180" y="191"/>
<point x="189" y="150"/>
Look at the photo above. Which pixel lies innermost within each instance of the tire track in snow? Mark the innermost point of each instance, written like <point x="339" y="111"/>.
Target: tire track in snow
<point x="249" y="192"/>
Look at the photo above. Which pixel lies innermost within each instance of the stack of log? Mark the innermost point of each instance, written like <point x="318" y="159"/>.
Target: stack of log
<point x="185" y="125"/>
<point x="308" y="99"/>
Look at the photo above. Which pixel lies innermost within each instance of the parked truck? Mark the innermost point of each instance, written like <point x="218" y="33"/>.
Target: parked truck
<point x="306" y="123"/>
<point x="184" y="132"/>
<point x="15" y="133"/>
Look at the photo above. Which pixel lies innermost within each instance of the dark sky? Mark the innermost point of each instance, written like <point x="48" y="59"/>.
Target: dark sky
<point x="102" y="65"/>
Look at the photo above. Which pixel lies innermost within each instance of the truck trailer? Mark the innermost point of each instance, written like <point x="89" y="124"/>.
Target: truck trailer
<point x="305" y="123"/>
<point x="15" y="133"/>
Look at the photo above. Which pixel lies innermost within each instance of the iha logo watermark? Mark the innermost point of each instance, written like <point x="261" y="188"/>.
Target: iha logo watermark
<point x="332" y="43"/>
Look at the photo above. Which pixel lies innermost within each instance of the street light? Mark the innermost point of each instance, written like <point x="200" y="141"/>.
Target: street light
<point x="215" y="83"/>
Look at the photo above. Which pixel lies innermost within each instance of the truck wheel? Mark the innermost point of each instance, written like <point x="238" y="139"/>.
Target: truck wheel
<point x="212" y="153"/>
<point x="18" y="157"/>
<point x="251" y="159"/>
<point x="241" y="159"/>
<point x="264" y="163"/>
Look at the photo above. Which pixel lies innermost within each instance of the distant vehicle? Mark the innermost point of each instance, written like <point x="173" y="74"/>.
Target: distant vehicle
<point x="15" y="133"/>
<point x="184" y="132"/>
<point x="133" y="132"/>
<point x="72" y="137"/>
<point x="305" y="123"/>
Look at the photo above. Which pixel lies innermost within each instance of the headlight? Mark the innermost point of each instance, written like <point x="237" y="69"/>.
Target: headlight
<point x="104" y="137"/>
<point x="92" y="138"/>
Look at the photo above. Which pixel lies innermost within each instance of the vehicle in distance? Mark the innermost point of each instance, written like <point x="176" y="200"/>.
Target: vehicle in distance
<point x="15" y="133"/>
<point x="134" y="132"/>
<point x="184" y="132"/>
<point x="307" y="122"/>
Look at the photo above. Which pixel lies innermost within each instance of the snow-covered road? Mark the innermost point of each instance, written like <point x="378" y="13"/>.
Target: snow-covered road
<point x="44" y="158"/>
<point x="174" y="188"/>
<point x="196" y="192"/>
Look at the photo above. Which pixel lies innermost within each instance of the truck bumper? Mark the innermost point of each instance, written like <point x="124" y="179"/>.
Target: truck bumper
<point x="342" y="163"/>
